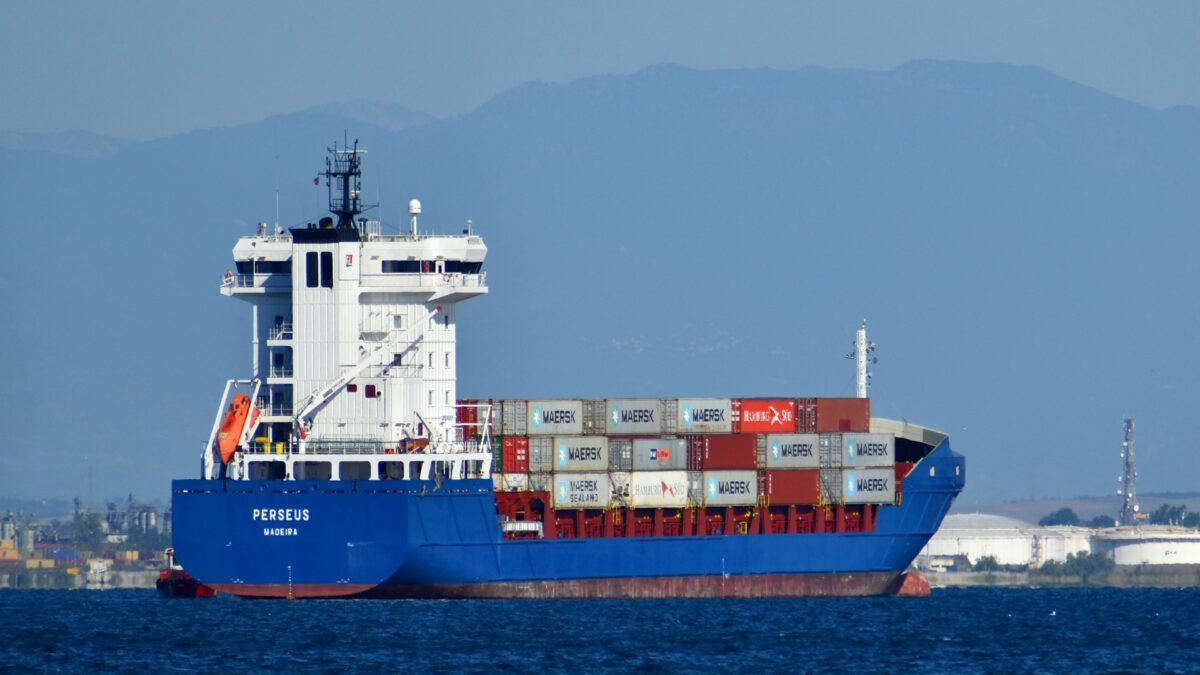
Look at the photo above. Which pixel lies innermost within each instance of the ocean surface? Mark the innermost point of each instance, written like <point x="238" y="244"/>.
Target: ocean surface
<point x="956" y="630"/>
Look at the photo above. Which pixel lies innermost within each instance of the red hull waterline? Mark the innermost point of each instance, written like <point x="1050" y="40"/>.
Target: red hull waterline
<point x="750" y="586"/>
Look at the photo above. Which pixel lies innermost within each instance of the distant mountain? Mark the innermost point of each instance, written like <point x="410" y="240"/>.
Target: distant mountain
<point x="1023" y="247"/>
<point x="379" y="114"/>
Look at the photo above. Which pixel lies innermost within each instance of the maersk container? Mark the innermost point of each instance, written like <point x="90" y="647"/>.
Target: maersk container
<point x="868" y="450"/>
<point x="654" y="454"/>
<point x="541" y="482"/>
<point x="620" y="454"/>
<point x="658" y="489"/>
<point x="705" y="416"/>
<point x="730" y="488"/>
<point x="792" y="486"/>
<point x="843" y="414"/>
<point x="541" y="454"/>
<point x="859" y="486"/>
<point x="753" y="415"/>
<point x="580" y="453"/>
<point x="513" y="417"/>
<point x="724" y="451"/>
<point x="793" y="451"/>
<point x="581" y="491"/>
<point x="558" y="417"/>
<point x="632" y="416"/>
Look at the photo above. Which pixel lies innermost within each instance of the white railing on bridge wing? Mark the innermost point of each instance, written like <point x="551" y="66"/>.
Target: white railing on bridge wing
<point x="425" y="279"/>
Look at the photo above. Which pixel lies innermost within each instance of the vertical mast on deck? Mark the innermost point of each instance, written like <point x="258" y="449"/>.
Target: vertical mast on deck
<point x="345" y="167"/>
<point x="863" y="349"/>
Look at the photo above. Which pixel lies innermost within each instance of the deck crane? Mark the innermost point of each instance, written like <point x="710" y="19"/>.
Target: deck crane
<point x="303" y="419"/>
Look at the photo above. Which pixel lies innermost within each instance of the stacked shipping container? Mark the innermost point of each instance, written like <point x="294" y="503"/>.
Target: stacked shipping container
<point x="721" y="456"/>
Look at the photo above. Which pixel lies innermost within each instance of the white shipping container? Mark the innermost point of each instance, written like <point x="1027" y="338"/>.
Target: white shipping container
<point x="654" y="454"/>
<point x="634" y="416"/>
<point x="730" y="488"/>
<point x="658" y="489"/>
<point x="563" y="417"/>
<point x="540" y="482"/>
<point x="513" y="417"/>
<point x="580" y="453"/>
<point x="512" y="482"/>
<point x="581" y="491"/>
<point x="793" y="451"/>
<point x="619" y="483"/>
<point x="541" y="454"/>
<point x="868" y="486"/>
<point x="868" y="450"/>
<point x="705" y="416"/>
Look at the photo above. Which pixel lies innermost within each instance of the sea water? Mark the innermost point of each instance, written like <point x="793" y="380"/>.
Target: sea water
<point x="956" y="630"/>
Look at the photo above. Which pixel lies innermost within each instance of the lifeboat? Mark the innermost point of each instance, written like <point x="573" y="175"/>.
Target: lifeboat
<point x="231" y="427"/>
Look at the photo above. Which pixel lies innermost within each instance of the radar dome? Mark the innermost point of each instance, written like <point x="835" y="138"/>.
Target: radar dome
<point x="414" y="206"/>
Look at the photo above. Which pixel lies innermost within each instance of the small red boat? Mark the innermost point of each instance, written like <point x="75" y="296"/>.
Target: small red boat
<point x="174" y="582"/>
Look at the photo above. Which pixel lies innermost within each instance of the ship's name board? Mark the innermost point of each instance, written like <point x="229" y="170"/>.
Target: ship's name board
<point x="280" y="515"/>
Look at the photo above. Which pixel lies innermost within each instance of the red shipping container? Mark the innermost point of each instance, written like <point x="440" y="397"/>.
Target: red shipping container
<point x="728" y="451"/>
<point x="792" y="486"/>
<point x="806" y="416"/>
<point x="763" y="415"/>
<point x="514" y="452"/>
<point x="843" y="414"/>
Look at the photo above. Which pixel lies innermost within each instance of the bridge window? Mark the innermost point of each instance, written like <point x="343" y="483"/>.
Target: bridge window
<point x="391" y="470"/>
<point x="313" y="471"/>
<point x="401" y="267"/>
<point x="267" y="470"/>
<point x="326" y="269"/>
<point x="354" y="471"/>
<point x="272" y="266"/>
<point x="312" y="271"/>
<point x="463" y="267"/>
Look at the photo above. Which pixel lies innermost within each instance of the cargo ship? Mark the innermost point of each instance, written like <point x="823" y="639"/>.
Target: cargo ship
<point x="346" y="465"/>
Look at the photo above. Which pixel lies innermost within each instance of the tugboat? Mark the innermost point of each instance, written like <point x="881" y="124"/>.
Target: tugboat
<point x="174" y="582"/>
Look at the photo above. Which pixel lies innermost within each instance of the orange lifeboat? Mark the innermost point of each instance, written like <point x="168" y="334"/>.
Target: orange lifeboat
<point x="231" y="427"/>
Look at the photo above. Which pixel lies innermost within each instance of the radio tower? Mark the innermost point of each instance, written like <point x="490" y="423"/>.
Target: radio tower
<point x="1129" y="509"/>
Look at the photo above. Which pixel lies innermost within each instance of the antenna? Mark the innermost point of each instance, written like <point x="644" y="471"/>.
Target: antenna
<point x="1129" y="507"/>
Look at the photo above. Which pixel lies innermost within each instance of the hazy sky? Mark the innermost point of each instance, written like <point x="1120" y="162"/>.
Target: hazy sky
<point x="142" y="70"/>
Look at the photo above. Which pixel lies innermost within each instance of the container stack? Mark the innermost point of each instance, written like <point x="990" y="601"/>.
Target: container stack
<point x="628" y="467"/>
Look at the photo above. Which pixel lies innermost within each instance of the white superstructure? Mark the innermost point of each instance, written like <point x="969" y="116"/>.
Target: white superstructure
<point x="353" y="343"/>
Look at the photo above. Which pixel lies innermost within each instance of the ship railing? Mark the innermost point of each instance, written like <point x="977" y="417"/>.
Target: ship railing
<point x="260" y="280"/>
<point x="281" y="371"/>
<point x="282" y="331"/>
<point x="426" y="279"/>
<point x="352" y="447"/>
<point x="273" y="409"/>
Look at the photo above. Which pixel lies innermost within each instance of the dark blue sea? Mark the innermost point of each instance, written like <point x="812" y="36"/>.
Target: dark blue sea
<point x="956" y="630"/>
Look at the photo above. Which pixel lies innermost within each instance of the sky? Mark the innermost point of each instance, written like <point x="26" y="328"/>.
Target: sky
<point x="143" y="70"/>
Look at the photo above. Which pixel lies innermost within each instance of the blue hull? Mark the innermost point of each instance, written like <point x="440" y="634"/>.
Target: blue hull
<point x="415" y="539"/>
